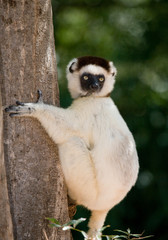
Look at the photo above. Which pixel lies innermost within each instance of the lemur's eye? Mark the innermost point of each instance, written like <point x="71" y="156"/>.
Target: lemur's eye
<point x="101" y="79"/>
<point x="85" y="77"/>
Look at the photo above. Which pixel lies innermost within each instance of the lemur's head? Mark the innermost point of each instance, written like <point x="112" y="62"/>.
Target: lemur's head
<point x="90" y="76"/>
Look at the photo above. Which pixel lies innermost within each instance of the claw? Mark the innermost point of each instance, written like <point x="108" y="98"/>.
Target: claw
<point x="14" y="114"/>
<point x="19" y="103"/>
<point x="39" y="96"/>
<point x="8" y="108"/>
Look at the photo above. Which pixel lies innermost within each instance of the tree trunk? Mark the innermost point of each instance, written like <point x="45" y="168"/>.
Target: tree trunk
<point x="6" y="230"/>
<point x="34" y="178"/>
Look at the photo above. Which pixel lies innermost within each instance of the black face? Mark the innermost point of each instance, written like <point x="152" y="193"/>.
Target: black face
<point x="92" y="83"/>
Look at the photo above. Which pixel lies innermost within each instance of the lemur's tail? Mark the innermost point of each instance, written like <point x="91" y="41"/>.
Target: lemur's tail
<point x="96" y="223"/>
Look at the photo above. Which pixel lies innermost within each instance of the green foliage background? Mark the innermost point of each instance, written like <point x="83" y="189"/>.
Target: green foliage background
<point x="134" y="35"/>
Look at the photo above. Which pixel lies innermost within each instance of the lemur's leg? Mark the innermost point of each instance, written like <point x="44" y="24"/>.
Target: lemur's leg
<point x="96" y="222"/>
<point x="80" y="175"/>
<point x="79" y="171"/>
<point x="58" y="122"/>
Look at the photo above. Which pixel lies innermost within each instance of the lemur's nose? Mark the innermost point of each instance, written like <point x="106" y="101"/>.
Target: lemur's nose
<point x="94" y="86"/>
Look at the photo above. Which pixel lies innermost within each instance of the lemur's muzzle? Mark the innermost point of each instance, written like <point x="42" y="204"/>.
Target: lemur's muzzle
<point x="94" y="85"/>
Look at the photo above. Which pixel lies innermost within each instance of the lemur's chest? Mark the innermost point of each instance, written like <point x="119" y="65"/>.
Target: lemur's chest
<point x="99" y="123"/>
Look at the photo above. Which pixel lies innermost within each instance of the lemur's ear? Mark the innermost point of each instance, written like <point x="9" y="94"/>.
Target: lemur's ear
<point x="113" y="69"/>
<point x="72" y="66"/>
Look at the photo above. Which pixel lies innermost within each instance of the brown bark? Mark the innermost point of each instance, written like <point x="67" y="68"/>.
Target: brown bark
<point x="6" y="229"/>
<point x="35" y="181"/>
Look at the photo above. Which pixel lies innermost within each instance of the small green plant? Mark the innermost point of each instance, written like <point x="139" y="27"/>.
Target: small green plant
<point x="121" y="234"/>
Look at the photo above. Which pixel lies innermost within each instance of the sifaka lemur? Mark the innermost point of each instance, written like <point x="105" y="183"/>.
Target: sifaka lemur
<point x="97" y="151"/>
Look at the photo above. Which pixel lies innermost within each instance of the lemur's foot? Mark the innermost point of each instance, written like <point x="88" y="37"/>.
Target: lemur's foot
<point x="94" y="234"/>
<point x="23" y="109"/>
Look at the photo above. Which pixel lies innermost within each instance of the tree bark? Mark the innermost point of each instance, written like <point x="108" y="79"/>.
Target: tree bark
<point x="6" y="229"/>
<point x="34" y="177"/>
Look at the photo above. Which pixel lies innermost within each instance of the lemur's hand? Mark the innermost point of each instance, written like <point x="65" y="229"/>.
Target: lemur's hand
<point x="23" y="109"/>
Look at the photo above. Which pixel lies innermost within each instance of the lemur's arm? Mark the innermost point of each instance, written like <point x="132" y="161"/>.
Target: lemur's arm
<point x="58" y="122"/>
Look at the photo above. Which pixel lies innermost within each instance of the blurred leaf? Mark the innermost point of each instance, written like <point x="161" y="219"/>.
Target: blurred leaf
<point x="117" y="230"/>
<point x="75" y="222"/>
<point x="84" y="234"/>
<point x="54" y="225"/>
<point x="107" y="237"/>
<point x="54" y="222"/>
<point x="103" y="228"/>
<point x="66" y="228"/>
<point x="142" y="237"/>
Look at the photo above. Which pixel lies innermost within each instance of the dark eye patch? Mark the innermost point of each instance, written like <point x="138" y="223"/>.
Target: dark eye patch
<point x="101" y="77"/>
<point x="85" y="80"/>
<point x="92" y="82"/>
<point x="85" y="74"/>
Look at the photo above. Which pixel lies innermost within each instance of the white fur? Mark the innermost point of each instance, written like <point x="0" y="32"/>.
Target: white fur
<point x="97" y="150"/>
